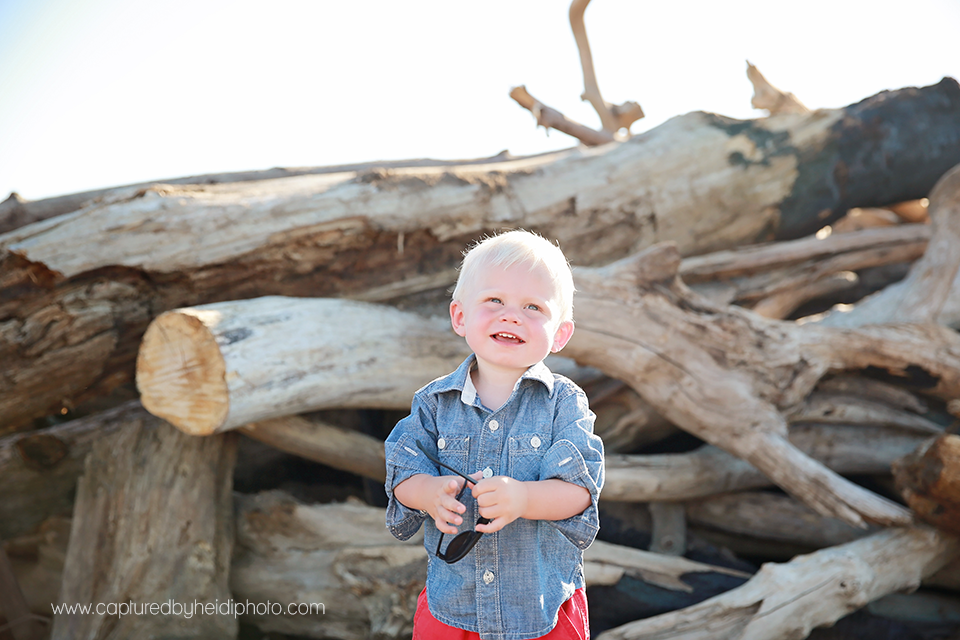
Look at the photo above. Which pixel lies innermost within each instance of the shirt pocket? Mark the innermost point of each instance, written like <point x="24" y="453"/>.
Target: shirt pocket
<point x="453" y="450"/>
<point x="526" y="452"/>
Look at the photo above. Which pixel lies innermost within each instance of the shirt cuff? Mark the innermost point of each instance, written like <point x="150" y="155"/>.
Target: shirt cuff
<point x="403" y="462"/>
<point x="565" y="462"/>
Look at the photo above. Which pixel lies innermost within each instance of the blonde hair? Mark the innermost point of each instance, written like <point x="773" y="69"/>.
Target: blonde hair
<point x="510" y="248"/>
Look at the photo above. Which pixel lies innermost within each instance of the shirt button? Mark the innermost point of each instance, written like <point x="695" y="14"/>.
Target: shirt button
<point x="441" y="443"/>
<point x="488" y="577"/>
<point x="488" y="472"/>
<point x="535" y="442"/>
<point x="494" y="425"/>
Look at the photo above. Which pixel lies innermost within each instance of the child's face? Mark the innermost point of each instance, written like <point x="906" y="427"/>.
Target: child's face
<point x="510" y="317"/>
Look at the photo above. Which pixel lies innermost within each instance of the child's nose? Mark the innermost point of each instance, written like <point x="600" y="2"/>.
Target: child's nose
<point x="510" y="314"/>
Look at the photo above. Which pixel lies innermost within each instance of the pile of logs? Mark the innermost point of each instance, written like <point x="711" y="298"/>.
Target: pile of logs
<point x="766" y="327"/>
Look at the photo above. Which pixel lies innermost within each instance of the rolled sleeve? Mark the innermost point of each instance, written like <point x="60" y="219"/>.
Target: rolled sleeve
<point x="576" y="456"/>
<point x="405" y="460"/>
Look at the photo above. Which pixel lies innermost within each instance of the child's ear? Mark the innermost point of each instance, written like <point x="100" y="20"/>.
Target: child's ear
<point x="457" y="319"/>
<point x="562" y="336"/>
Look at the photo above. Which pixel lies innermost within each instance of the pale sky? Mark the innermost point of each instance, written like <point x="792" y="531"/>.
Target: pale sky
<point x="100" y="93"/>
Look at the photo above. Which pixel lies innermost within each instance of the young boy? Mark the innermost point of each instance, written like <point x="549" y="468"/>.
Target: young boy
<point x="528" y="431"/>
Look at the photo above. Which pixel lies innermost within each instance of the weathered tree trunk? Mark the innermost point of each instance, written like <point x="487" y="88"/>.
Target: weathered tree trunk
<point x="384" y="234"/>
<point x="218" y="367"/>
<point x="929" y="479"/>
<point x="15" y="212"/>
<point x="789" y="600"/>
<point x="40" y="469"/>
<point x="152" y="524"/>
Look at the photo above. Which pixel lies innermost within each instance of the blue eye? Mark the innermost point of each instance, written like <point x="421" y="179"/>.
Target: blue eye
<point x="534" y="307"/>
<point x="496" y="300"/>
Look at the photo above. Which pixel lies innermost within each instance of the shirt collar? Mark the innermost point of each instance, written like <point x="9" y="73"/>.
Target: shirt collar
<point x="460" y="380"/>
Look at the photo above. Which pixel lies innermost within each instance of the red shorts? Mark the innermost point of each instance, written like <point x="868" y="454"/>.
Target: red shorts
<point x="573" y="623"/>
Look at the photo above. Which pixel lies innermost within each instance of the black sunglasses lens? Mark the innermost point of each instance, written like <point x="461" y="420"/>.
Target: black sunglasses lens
<point x="460" y="546"/>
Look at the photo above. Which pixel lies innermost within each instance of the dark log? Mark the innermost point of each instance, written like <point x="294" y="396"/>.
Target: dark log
<point x="380" y="235"/>
<point x="327" y="444"/>
<point x="929" y="480"/>
<point x="37" y="560"/>
<point x="13" y="606"/>
<point x="40" y="469"/>
<point x="931" y="290"/>
<point x="152" y="523"/>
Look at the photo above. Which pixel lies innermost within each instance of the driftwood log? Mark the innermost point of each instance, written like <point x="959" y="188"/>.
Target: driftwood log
<point x="221" y="366"/>
<point x="70" y="321"/>
<point x="152" y="523"/>
<point x="789" y="600"/>
<point x="16" y="212"/>
<point x="709" y="470"/>
<point x="929" y="479"/>
<point x="769" y="516"/>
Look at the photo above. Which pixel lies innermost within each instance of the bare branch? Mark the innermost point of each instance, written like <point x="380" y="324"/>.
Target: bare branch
<point x="553" y="119"/>
<point x="766" y="96"/>
<point x="613" y="117"/>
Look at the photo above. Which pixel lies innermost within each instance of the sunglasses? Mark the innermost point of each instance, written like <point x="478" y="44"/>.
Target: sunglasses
<point x="464" y="541"/>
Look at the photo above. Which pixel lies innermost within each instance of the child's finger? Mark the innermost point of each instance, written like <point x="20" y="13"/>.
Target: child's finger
<point x="453" y="509"/>
<point x="453" y="486"/>
<point x="494" y="525"/>
<point x="445" y="527"/>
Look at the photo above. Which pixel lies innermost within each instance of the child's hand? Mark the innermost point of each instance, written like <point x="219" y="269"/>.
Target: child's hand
<point x="442" y="504"/>
<point x="502" y="500"/>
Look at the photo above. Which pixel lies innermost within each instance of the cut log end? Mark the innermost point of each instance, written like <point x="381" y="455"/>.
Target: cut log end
<point x="181" y="374"/>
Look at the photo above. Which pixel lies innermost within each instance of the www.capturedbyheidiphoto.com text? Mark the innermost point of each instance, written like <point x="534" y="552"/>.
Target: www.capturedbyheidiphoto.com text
<point x="189" y="609"/>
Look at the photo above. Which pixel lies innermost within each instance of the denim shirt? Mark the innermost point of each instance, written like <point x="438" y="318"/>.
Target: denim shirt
<point x="511" y="585"/>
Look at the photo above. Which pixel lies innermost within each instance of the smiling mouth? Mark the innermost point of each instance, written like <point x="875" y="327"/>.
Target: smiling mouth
<point x="507" y="337"/>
